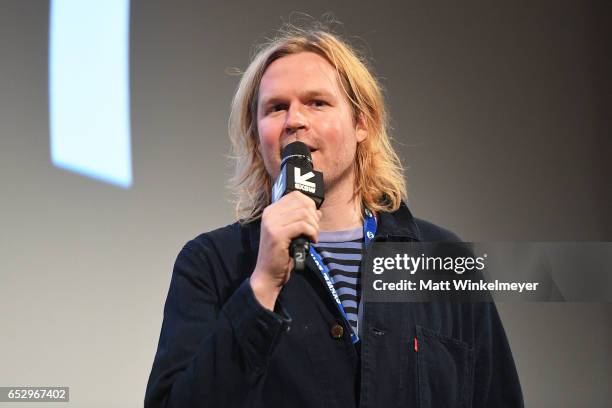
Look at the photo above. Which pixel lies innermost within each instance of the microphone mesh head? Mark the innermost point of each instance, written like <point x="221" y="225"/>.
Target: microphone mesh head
<point x="296" y="151"/>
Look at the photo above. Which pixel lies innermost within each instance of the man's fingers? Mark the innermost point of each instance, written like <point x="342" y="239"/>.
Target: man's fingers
<point x="294" y="200"/>
<point x="298" y="228"/>
<point x="300" y="214"/>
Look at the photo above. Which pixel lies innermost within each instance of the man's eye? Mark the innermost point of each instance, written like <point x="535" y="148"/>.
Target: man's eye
<point x="278" y="107"/>
<point x="318" y="103"/>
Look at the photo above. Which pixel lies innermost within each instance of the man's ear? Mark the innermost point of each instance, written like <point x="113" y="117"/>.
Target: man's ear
<point x="361" y="131"/>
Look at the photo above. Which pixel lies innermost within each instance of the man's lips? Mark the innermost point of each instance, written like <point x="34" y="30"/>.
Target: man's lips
<point x="311" y="148"/>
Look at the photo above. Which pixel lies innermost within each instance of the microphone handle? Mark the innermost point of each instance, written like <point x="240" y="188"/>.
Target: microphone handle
<point x="298" y="250"/>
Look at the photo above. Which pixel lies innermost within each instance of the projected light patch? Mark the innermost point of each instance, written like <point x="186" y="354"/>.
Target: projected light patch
<point x="89" y="88"/>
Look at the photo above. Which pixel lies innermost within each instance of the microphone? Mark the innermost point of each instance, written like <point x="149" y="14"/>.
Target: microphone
<point x="296" y="173"/>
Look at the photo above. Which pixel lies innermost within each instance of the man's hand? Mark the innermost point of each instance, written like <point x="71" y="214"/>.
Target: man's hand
<point x="293" y="215"/>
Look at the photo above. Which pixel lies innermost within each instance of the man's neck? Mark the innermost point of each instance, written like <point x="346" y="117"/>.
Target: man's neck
<point x="340" y="212"/>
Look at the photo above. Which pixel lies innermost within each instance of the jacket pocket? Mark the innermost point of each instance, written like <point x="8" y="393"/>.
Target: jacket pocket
<point x="445" y="370"/>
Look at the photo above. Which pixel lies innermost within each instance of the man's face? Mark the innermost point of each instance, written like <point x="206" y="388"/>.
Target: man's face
<point x="300" y="98"/>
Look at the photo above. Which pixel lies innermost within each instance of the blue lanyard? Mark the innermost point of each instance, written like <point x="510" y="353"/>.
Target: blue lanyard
<point x="369" y="230"/>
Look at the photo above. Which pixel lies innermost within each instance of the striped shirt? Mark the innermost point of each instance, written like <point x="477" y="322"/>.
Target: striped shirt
<point x="341" y="251"/>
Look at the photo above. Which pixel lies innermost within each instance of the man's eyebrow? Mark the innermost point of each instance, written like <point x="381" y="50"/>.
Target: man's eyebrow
<point x="317" y="93"/>
<point x="267" y="100"/>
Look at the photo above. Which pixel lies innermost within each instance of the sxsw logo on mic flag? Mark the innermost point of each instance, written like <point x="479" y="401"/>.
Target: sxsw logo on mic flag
<point x="291" y="178"/>
<point x="301" y="181"/>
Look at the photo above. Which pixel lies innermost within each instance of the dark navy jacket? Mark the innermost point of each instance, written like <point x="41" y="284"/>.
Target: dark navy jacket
<point x="220" y="348"/>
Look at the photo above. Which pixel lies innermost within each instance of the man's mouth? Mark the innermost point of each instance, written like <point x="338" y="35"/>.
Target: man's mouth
<point x="311" y="148"/>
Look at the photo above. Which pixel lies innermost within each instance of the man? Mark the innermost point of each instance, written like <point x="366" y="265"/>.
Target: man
<point x="242" y="328"/>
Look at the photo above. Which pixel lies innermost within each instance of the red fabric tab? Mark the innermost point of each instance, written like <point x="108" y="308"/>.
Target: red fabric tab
<point x="416" y="345"/>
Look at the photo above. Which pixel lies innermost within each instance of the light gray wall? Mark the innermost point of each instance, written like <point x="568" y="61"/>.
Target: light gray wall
<point x="500" y="112"/>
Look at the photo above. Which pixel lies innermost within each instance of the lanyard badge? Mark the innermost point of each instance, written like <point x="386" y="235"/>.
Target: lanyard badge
<point x="369" y="230"/>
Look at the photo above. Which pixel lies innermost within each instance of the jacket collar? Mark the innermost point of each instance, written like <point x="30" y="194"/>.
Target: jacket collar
<point x="399" y="224"/>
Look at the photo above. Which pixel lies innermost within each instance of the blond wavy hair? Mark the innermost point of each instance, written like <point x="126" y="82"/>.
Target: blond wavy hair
<point x="379" y="178"/>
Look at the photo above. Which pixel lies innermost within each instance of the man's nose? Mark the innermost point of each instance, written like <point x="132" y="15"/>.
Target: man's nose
<point x="295" y="120"/>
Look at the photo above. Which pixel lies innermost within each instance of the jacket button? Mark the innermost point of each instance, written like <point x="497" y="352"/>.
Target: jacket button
<point x="337" y="331"/>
